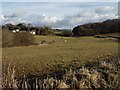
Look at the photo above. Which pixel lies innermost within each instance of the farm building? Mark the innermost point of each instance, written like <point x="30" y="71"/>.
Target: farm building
<point x="16" y="30"/>
<point x="33" y="32"/>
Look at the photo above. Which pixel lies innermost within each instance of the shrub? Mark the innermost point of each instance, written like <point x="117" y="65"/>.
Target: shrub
<point x="23" y="39"/>
<point x="45" y="30"/>
<point x="7" y="38"/>
<point x="10" y="39"/>
<point x="66" y="33"/>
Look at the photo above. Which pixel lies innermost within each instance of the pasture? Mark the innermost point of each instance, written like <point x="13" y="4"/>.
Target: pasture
<point x="44" y="59"/>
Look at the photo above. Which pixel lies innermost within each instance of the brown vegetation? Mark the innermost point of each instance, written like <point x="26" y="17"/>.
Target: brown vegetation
<point x="10" y="39"/>
<point x="104" y="74"/>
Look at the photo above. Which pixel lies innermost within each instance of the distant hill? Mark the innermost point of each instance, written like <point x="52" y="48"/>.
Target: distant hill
<point x="108" y="26"/>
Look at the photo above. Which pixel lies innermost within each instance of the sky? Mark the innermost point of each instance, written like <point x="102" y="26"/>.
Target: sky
<point x="57" y="14"/>
<point x="59" y="0"/>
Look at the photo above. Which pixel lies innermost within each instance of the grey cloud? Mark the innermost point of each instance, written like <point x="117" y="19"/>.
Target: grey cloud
<point x="18" y="14"/>
<point x="86" y="13"/>
<point x="106" y="9"/>
<point x="13" y="20"/>
<point x="68" y="21"/>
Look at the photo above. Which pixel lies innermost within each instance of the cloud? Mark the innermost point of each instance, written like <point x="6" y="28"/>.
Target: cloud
<point x="43" y="20"/>
<point x="12" y="19"/>
<point x="106" y="9"/>
<point x="60" y="0"/>
<point x="85" y="16"/>
<point x="69" y="20"/>
<point x="86" y="13"/>
<point x="17" y="14"/>
<point x="2" y="17"/>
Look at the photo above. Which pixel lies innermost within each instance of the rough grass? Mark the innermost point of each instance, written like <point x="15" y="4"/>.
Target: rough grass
<point x="111" y="34"/>
<point x="39" y="60"/>
<point x="98" y="74"/>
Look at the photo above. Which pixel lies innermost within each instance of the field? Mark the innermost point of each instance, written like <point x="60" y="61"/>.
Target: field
<point x="45" y="58"/>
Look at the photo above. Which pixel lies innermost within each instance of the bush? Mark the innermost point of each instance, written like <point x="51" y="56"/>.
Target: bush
<point x="45" y="30"/>
<point x="66" y="33"/>
<point x="23" y="39"/>
<point x="7" y="38"/>
<point x="10" y="39"/>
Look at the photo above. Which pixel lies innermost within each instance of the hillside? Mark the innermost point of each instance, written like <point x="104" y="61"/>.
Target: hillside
<point x="108" y="26"/>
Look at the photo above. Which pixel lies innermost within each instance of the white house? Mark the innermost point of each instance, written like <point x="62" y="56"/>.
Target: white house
<point x="33" y="32"/>
<point x="16" y="30"/>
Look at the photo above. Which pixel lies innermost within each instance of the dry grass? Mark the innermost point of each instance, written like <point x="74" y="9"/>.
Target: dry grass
<point x="104" y="74"/>
<point x="39" y="60"/>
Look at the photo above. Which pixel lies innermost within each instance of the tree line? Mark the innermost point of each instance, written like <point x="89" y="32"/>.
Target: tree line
<point x="44" y="30"/>
<point x="40" y="30"/>
<point x="90" y="29"/>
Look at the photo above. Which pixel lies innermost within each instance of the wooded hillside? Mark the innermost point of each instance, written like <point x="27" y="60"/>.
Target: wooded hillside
<point x="108" y="26"/>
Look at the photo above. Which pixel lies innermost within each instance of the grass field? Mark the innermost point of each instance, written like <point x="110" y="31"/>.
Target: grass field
<point x="43" y="59"/>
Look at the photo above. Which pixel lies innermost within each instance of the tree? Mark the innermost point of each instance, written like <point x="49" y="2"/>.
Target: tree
<point x="45" y="30"/>
<point x="22" y="26"/>
<point x="78" y="31"/>
<point x="17" y="27"/>
<point x="109" y="26"/>
<point x="66" y="33"/>
<point x="29" y="26"/>
<point x="10" y="26"/>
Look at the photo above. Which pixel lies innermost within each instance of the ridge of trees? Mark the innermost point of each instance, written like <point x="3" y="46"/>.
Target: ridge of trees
<point x="90" y="29"/>
<point x="45" y="30"/>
